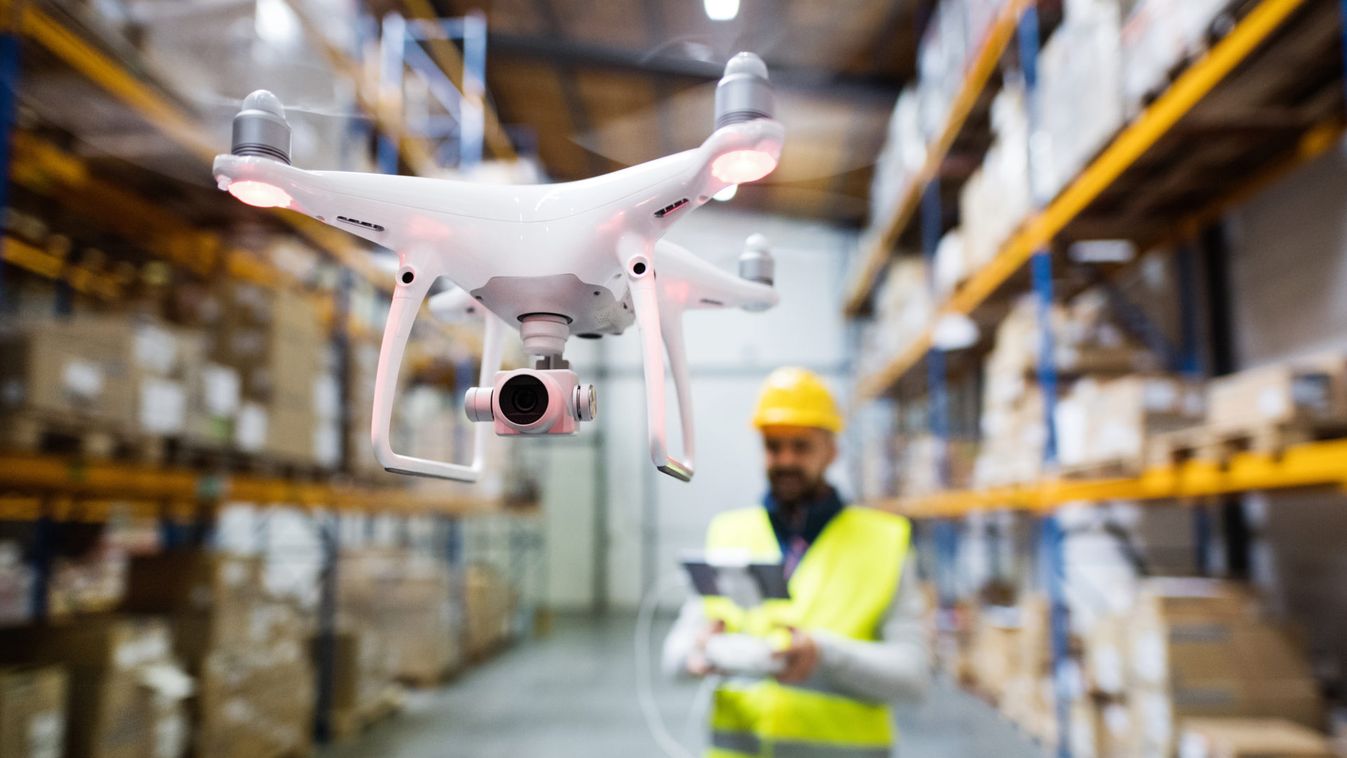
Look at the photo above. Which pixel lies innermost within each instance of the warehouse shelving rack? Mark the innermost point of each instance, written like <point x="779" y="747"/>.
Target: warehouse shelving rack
<point x="1126" y="151"/>
<point x="47" y="490"/>
<point x="1026" y="260"/>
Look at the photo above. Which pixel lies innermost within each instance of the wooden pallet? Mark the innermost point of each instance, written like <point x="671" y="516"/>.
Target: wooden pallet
<point x="351" y="723"/>
<point x="1218" y="443"/>
<point x="1116" y="468"/>
<point x="68" y="433"/>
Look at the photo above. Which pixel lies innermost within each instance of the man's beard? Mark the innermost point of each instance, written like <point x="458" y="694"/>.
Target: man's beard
<point x="791" y="486"/>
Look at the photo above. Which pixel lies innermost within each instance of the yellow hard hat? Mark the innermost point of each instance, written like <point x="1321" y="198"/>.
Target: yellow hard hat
<point x="796" y="397"/>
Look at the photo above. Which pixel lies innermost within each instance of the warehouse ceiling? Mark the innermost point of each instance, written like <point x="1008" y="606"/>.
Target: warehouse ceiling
<point x="598" y="84"/>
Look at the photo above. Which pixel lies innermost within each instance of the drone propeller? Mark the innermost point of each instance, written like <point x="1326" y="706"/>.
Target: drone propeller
<point x="816" y="130"/>
<point x="217" y="101"/>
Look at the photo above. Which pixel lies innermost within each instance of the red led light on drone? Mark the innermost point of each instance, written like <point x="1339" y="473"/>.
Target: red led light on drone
<point x="743" y="166"/>
<point x="260" y="194"/>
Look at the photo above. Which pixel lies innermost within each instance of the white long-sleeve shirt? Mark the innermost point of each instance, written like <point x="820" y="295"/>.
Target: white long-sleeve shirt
<point x="893" y="668"/>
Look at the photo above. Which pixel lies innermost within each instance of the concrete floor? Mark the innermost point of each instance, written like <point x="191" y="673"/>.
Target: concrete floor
<point x="573" y="694"/>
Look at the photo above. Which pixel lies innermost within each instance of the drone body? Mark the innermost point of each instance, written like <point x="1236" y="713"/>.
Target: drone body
<point x="582" y="258"/>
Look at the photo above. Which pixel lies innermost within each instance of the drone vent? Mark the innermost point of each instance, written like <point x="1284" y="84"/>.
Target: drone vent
<point x="358" y="222"/>
<point x="671" y="207"/>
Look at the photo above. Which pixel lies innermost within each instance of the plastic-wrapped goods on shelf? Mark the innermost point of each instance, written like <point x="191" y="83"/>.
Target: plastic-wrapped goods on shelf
<point x="996" y="198"/>
<point x="1080" y="93"/>
<point x="951" y="263"/>
<point x="981" y="15"/>
<point x="877" y="437"/>
<point x="941" y="61"/>
<point x="489" y="608"/>
<point x="903" y="306"/>
<point x="1157" y="37"/>
<point x="16" y="582"/>
<point x="403" y="606"/>
<point x="1105" y="425"/>
<point x="126" y="693"/>
<point x="902" y="156"/>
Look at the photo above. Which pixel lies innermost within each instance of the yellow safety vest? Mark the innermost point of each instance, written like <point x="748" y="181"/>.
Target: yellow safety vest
<point x="844" y="584"/>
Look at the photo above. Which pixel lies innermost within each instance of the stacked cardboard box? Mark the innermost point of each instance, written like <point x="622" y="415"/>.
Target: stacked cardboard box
<point x="247" y="650"/>
<point x="165" y="368"/>
<point x="1196" y="649"/>
<point x="490" y="610"/>
<point x="403" y="603"/>
<point x="1085" y="341"/>
<point x="275" y="345"/>
<point x="362" y="363"/>
<point x="32" y="712"/>
<point x="1251" y="738"/>
<point x="125" y="691"/>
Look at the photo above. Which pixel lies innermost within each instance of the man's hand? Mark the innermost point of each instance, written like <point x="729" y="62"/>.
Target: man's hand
<point x="799" y="660"/>
<point x="697" y="663"/>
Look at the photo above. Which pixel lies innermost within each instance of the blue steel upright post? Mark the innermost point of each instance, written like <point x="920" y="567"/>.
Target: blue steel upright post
<point x="1052" y="541"/>
<point x="9" y="96"/>
<point x="946" y="531"/>
<point x="329" y="535"/>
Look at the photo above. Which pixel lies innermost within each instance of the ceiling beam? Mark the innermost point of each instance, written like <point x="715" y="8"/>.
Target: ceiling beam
<point x="576" y="54"/>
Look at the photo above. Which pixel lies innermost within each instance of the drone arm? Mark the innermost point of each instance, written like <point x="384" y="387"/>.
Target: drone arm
<point x="634" y="255"/>
<point x="407" y="300"/>
<point x="454" y="306"/>
<point x="693" y="282"/>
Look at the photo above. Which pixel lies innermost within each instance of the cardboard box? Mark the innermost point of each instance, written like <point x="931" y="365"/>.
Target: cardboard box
<point x="1310" y="390"/>
<point x="32" y="712"/>
<point x="191" y="580"/>
<point x="1250" y="738"/>
<point x="74" y="369"/>
<point x="116" y="667"/>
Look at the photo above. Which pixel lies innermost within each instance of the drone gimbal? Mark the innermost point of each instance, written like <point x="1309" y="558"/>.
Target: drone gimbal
<point x="582" y="258"/>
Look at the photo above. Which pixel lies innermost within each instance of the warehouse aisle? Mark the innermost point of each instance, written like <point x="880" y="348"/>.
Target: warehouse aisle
<point x="572" y="694"/>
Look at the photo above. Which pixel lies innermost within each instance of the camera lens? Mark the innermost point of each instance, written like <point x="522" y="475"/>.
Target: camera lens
<point x="523" y="399"/>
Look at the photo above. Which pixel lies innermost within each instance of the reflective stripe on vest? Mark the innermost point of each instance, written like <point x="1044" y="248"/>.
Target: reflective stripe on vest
<point x="844" y="585"/>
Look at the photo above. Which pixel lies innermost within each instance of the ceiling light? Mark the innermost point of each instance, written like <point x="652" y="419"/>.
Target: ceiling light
<point x="722" y="10"/>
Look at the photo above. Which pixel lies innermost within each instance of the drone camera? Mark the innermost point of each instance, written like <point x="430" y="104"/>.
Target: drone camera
<point x="533" y="402"/>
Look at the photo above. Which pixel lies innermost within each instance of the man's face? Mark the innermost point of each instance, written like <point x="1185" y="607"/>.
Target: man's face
<point x="797" y="459"/>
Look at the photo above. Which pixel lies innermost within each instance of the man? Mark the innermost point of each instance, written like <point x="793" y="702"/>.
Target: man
<point x="850" y="639"/>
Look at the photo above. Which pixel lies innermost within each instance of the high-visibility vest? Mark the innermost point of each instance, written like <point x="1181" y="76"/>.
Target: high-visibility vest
<point x="845" y="584"/>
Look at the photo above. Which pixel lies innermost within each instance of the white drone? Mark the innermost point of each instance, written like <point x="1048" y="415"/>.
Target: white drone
<point x="580" y="259"/>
